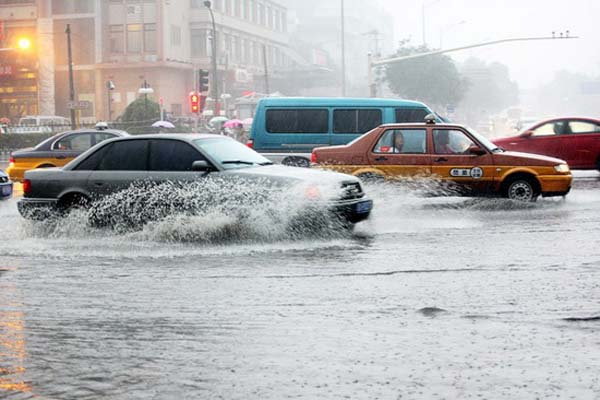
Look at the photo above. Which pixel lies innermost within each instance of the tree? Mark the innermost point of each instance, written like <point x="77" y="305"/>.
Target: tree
<point x="141" y="110"/>
<point x="432" y="79"/>
<point x="490" y="88"/>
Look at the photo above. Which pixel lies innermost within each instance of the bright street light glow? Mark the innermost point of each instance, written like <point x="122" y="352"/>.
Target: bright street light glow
<point x="24" y="43"/>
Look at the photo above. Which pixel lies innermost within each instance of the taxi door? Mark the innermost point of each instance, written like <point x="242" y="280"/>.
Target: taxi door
<point x="401" y="153"/>
<point x="454" y="161"/>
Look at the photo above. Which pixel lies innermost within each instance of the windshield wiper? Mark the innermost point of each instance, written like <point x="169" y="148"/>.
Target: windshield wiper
<point x="266" y="163"/>
<point x="237" y="162"/>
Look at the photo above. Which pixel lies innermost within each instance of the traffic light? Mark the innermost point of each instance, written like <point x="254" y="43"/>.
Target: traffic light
<point x="202" y="80"/>
<point x="194" y="102"/>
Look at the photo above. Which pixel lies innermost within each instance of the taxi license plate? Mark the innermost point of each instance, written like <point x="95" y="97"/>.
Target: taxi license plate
<point x="6" y="190"/>
<point x="364" y="206"/>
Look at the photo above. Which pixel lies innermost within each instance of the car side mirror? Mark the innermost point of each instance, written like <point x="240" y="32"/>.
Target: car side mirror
<point x="201" y="166"/>
<point x="476" y="150"/>
<point x="526" y="134"/>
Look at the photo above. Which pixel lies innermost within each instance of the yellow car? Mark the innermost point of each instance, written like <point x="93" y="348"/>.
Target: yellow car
<point x="57" y="150"/>
<point x="450" y="153"/>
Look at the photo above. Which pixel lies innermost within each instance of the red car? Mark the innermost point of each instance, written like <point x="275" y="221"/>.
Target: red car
<point x="573" y="139"/>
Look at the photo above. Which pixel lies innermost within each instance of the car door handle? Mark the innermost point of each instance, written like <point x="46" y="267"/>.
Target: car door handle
<point x="381" y="158"/>
<point x="61" y="157"/>
<point x="441" y="159"/>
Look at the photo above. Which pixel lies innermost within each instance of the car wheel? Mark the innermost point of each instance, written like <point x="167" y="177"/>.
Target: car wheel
<point x="46" y="166"/>
<point x="522" y="189"/>
<point x="370" y="177"/>
<point x="296" y="162"/>
<point x="74" y="202"/>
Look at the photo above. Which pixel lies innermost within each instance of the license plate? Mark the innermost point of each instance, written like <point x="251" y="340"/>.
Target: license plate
<point x="6" y="190"/>
<point x="364" y="207"/>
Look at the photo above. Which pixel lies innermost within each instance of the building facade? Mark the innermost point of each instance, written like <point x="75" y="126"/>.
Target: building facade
<point x="120" y="45"/>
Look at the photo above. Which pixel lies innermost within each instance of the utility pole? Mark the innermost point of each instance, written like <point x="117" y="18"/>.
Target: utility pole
<point x="343" y="52"/>
<point x="71" y="83"/>
<point x="266" y="69"/>
<point x="215" y="78"/>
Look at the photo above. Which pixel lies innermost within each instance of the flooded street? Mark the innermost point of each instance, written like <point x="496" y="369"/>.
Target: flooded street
<point x="434" y="297"/>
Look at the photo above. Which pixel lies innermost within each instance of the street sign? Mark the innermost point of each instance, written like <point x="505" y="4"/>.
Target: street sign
<point x="79" y="105"/>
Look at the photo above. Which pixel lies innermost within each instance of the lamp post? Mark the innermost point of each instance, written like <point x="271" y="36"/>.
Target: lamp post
<point x="214" y="85"/>
<point x="110" y="86"/>
<point x="145" y="90"/>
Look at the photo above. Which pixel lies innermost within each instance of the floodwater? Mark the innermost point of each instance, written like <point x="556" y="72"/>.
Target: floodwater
<point x="434" y="297"/>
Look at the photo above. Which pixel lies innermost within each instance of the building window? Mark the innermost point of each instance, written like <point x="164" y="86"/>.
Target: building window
<point x="277" y="20"/>
<point x="269" y="17"/>
<point x="134" y="38"/>
<point x="245" y="10"/>
<point x="283" y="21"/>
<point x="218" y="5"/>
<point x="227" y="9"/>
<point x="198" y="45"/>
<point x="116" y="39"/>
<point x="261" y="14"/>
<point x="237" y="8"/>
<point x="253" y="11"/>
<point x="150" y="38"/>
<point x="73" y="6"/>
<point x="175" y="35"/>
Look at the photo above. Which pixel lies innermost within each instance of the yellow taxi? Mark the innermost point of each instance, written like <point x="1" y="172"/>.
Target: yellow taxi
<point x="57" y="150"/>
<point x="451" y="153"/>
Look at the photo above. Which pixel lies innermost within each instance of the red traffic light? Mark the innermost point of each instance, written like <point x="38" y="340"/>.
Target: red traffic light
<point x="194" y="102"/>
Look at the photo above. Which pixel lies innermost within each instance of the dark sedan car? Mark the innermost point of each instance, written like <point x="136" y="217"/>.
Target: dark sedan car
<point x="573" y="139"/>
<point x="116" y="164"/>
<point x="6" y="186"/>
<point x="58" y="150"/>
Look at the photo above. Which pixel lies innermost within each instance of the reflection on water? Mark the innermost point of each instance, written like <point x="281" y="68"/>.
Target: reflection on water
<point x="12" y="340"/>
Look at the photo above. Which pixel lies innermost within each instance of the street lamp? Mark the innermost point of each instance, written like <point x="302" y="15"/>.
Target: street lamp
<point x="215" y="89"/>
<point x="110" y="86"/>
<point x="145" y="89"/>
<point x="24" y="43"/>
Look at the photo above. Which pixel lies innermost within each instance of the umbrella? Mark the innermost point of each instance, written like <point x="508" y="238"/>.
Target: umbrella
<point x="233" y="123"/>
<point x="163" y="124"/>
<point x="217" y="120"/>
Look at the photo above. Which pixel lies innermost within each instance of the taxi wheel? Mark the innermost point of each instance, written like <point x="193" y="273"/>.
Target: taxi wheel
<point x="46" y="166"/>
<point x="522" y="189"/>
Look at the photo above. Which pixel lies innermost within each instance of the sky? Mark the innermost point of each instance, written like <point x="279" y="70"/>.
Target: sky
<point x="463" y="22"/>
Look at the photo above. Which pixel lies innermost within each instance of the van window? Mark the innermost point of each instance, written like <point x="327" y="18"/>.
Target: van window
<point x="356" y="121"/>
<point x="411" y="115"/>
<point x="297" y="121"/>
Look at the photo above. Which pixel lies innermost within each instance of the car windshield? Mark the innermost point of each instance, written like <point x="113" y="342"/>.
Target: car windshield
<point x="485" y="141"/>
<point x="231" y="154"/>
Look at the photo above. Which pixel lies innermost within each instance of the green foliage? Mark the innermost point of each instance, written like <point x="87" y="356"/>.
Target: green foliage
<point x="490" y="88"/>
<point x="15" y="141"/>
<point x="432" y="79"/>
<point x="143" y="111"/>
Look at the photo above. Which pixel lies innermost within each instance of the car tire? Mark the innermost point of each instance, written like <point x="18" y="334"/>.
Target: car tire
<point x="296" y="162"/>
<point x="522" y="189"/>
<point x="370" y="177"/>
<point x="73" y="202"/>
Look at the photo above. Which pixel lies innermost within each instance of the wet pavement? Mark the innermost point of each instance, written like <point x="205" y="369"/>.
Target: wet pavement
<point x="434" y="297"/>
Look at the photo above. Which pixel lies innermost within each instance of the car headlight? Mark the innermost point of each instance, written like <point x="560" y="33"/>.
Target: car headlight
<point x="562" y="168"/>
<point x="312" y="192"/>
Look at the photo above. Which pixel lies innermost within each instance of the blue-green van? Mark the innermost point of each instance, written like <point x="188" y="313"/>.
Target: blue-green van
<point x="286" y="129"/>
